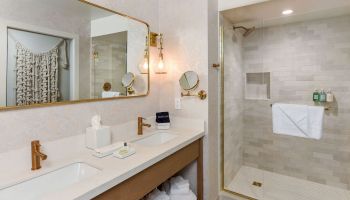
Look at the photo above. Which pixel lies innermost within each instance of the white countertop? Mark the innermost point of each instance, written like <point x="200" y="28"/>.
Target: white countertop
<point x="113" y="170"/>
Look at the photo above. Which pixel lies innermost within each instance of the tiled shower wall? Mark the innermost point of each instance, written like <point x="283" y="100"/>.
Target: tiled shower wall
<point x="233" y="102"/>
<point x="301" y="57"/>
<point x="111" y="64"/>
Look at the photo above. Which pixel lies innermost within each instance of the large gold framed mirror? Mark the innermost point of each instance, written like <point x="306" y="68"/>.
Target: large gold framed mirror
<point x="62" y="52"/>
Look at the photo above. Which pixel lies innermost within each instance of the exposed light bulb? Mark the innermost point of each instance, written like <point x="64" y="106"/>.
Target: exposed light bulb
<point x="145" y="64"/>
<point x="287" y="12"/>
<point x="161" y="64"/>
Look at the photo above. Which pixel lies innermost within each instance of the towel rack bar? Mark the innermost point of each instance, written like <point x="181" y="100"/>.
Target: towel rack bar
<point x="325" y="108"/>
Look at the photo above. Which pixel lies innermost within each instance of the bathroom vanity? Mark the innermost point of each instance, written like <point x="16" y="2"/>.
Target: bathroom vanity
<point x="74" y="173"/>
<point x="144" y="182"/>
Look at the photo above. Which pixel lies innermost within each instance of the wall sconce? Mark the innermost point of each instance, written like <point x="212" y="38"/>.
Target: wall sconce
<point x="145" y="63"/>
<point x="161" y="67"/>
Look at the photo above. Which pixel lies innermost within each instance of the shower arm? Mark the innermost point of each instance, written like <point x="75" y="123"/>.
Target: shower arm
<point x="237" y="27"/>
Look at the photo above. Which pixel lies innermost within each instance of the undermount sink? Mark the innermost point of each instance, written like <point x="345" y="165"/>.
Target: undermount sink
<point x="53" y="181"/>
<point x="156" y="139"/>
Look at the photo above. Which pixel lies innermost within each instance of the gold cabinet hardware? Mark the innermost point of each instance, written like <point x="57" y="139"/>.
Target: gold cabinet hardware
<point x="215" y="65"/>
<point x="201" y="94"/>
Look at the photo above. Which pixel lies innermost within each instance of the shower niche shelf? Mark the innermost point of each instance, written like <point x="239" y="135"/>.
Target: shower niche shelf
<point x="257" y="86"/>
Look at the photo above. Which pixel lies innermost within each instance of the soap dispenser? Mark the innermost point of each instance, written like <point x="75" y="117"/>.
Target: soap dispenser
<point x="330" y="96"/>
<point x="323" y="96"/>
<point x="124" y="151"/>
<point x="316" y="96"/>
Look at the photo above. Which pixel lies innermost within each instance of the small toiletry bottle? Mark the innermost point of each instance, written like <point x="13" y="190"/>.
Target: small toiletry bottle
<point x="323" y="96"/>
<point x="330" y="96"/>
<point x="316" y="95"/>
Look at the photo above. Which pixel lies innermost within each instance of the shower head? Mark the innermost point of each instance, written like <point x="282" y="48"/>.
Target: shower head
<point x="247" y="32"/>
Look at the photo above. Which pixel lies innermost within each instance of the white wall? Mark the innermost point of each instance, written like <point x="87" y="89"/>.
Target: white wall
<point x="186" y="35"/>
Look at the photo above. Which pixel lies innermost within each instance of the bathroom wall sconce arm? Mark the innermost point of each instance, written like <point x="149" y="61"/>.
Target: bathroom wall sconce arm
<point x="153" y="39"/>
<point x="201" y="94"/>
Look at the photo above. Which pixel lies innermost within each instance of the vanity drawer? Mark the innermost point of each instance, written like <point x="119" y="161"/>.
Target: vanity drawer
<point x="144" y="182"/>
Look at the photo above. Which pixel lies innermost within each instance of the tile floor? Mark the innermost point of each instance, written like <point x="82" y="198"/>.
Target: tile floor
<point x="281" y="187"/>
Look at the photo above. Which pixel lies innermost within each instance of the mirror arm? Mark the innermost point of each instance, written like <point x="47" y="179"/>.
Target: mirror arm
<point x="201" y="94"/>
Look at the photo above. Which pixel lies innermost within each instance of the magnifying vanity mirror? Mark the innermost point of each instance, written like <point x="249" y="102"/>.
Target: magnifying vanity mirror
<point x="68" y="51"/>
<point x="189" y="81"/>
<point x="128" y="81"/>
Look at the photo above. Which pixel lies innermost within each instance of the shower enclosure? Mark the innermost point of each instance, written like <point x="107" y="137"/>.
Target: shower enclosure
<point x="270" y="59"/>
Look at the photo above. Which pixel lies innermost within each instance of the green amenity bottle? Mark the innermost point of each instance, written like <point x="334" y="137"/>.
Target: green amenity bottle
<point x="316" y="96"/>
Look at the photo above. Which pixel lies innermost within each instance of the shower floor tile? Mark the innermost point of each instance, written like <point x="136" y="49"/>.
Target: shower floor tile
<point x="280" y="187"/>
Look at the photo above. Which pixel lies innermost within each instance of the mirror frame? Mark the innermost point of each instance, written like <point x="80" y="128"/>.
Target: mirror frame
<point x="8" y="108"/>
<point x="194" y="87"/>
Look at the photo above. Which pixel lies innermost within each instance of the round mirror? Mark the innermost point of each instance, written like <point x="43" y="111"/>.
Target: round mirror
<point x="189" y="80"/>
<point x="128" y="80"/>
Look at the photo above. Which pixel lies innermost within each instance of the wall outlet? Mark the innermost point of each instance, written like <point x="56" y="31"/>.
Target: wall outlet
<point x="178" y="103"/>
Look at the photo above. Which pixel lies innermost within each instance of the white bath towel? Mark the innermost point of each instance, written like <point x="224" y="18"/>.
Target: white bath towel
<point x="179" y="185"/>
<point x="158" y="195"/>
<point x="110" y="94"/>
<point x="298" y="120"/>
<point x="189" y="196"/>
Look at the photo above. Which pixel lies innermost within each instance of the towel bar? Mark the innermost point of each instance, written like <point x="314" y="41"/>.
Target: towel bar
<point x="325" y="108"/>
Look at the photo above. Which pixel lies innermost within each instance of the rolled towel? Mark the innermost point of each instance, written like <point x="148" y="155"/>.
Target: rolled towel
<point x="180" y="182"/>
<point x="179" y="185"/>
<point x="157" y="195"/>
<point x="189" y="196"/>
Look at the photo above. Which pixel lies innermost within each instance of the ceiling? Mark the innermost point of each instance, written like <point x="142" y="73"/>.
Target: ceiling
<point x="269" y="13"/>
<point x="229" y="4"/>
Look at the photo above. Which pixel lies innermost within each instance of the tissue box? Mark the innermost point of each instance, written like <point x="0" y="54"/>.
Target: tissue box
<point x="96" y="138"/>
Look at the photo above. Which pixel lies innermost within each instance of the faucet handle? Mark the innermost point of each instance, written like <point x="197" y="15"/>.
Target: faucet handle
<point x="141" y="118"/>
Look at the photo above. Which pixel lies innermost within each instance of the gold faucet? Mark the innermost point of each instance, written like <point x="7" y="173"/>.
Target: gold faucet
<point x="140" y="125"/>
<point x="37" y="155"/>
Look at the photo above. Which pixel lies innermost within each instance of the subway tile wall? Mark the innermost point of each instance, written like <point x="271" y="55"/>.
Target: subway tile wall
<point x="233" y="102"/>
<point x="301" y="57"/>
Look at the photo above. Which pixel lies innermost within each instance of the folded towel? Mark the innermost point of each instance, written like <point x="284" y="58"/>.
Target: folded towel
<point x="110" y="94"/>
<point x="298" y="120"/>
<point x="315" y="122"/>
<point x="179" y="185"/>
<point x="180" y="182"/>
<point x="157" y="195"/>
<point x="189" y="196"/>
<point x="107" y="150"/>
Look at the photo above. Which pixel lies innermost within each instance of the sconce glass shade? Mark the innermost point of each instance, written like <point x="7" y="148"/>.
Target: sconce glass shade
<point x="161" y="69"/>
<point x="144" y="66"/>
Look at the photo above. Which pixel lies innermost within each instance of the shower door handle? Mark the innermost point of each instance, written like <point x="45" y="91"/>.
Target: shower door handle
<point x="215" y="65"/>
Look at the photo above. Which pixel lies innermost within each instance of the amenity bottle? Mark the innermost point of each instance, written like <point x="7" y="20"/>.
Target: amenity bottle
<point x="330" y="96"/>
<point x="323" y="96"/>
<point x="316" y="96"/>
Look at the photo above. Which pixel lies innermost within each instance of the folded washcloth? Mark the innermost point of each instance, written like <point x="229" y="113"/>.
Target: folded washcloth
<point x="107" y="150"/>
<point x="157" y="195"/>
<point x="189" y="196"/>
<point x="110" y="94"/>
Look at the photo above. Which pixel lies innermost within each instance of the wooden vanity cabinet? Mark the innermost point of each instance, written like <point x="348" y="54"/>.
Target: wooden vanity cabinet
<point x="144" y="182"/>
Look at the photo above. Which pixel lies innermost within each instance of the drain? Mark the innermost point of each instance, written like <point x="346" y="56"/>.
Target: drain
<point x="257" y="184"/>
